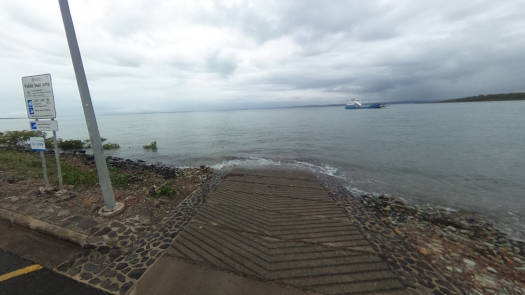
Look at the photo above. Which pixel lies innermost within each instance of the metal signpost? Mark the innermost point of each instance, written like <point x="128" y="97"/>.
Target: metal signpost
<point x="89" y="113"/>
<point x="40" y="104"/>
<point x="52" y="126"/>
<point x="39" y="145"/>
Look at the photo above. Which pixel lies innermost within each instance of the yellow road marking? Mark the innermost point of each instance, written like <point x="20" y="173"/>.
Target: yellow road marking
<point x="19" y="272"/>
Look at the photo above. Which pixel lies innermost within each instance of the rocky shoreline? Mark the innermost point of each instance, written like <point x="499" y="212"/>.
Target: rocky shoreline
<point x="436" y="249"/>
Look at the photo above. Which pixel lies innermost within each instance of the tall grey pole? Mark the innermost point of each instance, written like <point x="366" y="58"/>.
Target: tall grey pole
<point x="44" y="169"/>
<point x="89" y="112"/>
<point x="57" y="158"/>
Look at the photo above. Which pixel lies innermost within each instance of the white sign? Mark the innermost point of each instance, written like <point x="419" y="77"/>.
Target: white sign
<point x="38" y="95"/>
<point x="44" y="125"/>
<point x="37" y="144"/>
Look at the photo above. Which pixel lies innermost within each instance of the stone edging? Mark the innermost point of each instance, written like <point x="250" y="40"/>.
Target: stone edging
<point x="126" y="249"/>
<point x="45" y="227"/>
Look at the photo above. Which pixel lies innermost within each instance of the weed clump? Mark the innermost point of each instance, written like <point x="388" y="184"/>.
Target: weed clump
<point x="151" y="146"/>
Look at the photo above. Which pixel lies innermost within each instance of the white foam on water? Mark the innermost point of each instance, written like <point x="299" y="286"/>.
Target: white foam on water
<point x="251" y="162"/>
<point x="255" y="162"/>
<point x="323" y="169"/>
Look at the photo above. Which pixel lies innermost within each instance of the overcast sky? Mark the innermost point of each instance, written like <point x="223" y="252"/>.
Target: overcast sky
<point x="143" y="56"/>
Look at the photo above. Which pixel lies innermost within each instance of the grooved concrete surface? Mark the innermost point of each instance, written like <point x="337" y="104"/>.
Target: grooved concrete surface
<point x="282" y="226"/>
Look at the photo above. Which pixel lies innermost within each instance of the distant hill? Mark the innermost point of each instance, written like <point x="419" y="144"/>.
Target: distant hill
<point x="490" y="97"/>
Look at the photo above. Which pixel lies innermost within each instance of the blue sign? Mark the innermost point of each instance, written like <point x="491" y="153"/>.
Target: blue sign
<point x="37" y="144"/>
<point x="33" y="126"/>
<point x="31" y="111"/>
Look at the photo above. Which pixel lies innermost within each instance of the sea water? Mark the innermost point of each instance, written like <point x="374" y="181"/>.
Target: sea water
<point x="460" y="155"/>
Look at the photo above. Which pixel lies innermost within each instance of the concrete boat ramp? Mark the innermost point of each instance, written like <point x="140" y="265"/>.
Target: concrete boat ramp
<point x="270" y="232"/>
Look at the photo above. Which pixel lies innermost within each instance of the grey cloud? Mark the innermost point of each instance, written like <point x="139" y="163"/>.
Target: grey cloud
<point x="267" y="52"/>
<point x="222" y="65"/>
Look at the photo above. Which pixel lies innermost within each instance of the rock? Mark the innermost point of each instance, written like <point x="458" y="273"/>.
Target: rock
<point x="13" y="198"/>
<point x="125" y="287"/>
<point x="424" y="251"/>
<point x="93" y="268"/>
<point x="103" y="231"/>
<point x="469" y="263"/>
<point x="136" y="273"/>
<point x="492" y="270"/>
<point x="63" y="212"/>
<point x="86" y="276"/>
<point x="486" y="281"/>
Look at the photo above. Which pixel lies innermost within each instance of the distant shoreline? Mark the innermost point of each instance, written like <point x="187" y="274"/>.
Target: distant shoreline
<point x="489" y="97"/>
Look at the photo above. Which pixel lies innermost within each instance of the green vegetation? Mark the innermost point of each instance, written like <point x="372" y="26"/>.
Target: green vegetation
<point x="118" y="177"/>
<point x="72" y="144"/>
<point x="151" y="146"/>
<point x="14" y="138"/>
<point x="490" y="97"/>
<point x="110" y="146"/>
<point x="49" y="143"/>
<point x="24" y="165"/>
<point x="77" y="175"/>
<point x="164" y="190"/>
<point x="87" y="142"/>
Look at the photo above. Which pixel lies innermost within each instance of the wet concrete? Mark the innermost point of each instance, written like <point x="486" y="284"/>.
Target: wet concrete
<point x="280" y="227"/>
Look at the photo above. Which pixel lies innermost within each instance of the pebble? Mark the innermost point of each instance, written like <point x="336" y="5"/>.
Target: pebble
<point x="492" y="270"/>
<point x="63" y="212"/>
<point x="469" y="262"/>
<point x="13" y="198"/>
<point x="486" y="281"/>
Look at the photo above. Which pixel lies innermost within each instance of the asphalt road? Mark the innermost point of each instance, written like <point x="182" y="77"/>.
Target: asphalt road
<point x="32" y="274"/>
<point x="36" y="280"/>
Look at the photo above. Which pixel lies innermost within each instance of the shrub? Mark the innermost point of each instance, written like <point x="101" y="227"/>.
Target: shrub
<point x="72" y="144"/>
<point x="162" y="190"/>
<point x="110" y="146"/>
<point x="151" y="146"/>
<point x="87" y="142"/>
<point x="15" y="138"/>
<point x="49" y="143"/>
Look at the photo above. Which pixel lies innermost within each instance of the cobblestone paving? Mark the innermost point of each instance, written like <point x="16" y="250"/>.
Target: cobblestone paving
<point x="122" y="251"/>
<point x="282" y="227"/>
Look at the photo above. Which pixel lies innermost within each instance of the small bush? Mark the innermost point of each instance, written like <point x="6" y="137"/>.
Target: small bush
<point x="49" y="143"/>
<point x="110" y="146"/>
<point x="72" y="144"/>
<point x="87" y="142"/>
<point x="151" y="146"/>
<point x="162" y="190"/>
<point x="15" y="138"/>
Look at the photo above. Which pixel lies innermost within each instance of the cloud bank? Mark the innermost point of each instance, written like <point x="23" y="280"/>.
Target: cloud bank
<point x="148" y="56"/>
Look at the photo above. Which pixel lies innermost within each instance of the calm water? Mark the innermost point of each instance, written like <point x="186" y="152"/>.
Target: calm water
<point x="463" y="155"/>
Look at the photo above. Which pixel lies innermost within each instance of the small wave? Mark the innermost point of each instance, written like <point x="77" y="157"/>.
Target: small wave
<point x="245" y="163"/>
<point x="254" y="162"/>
